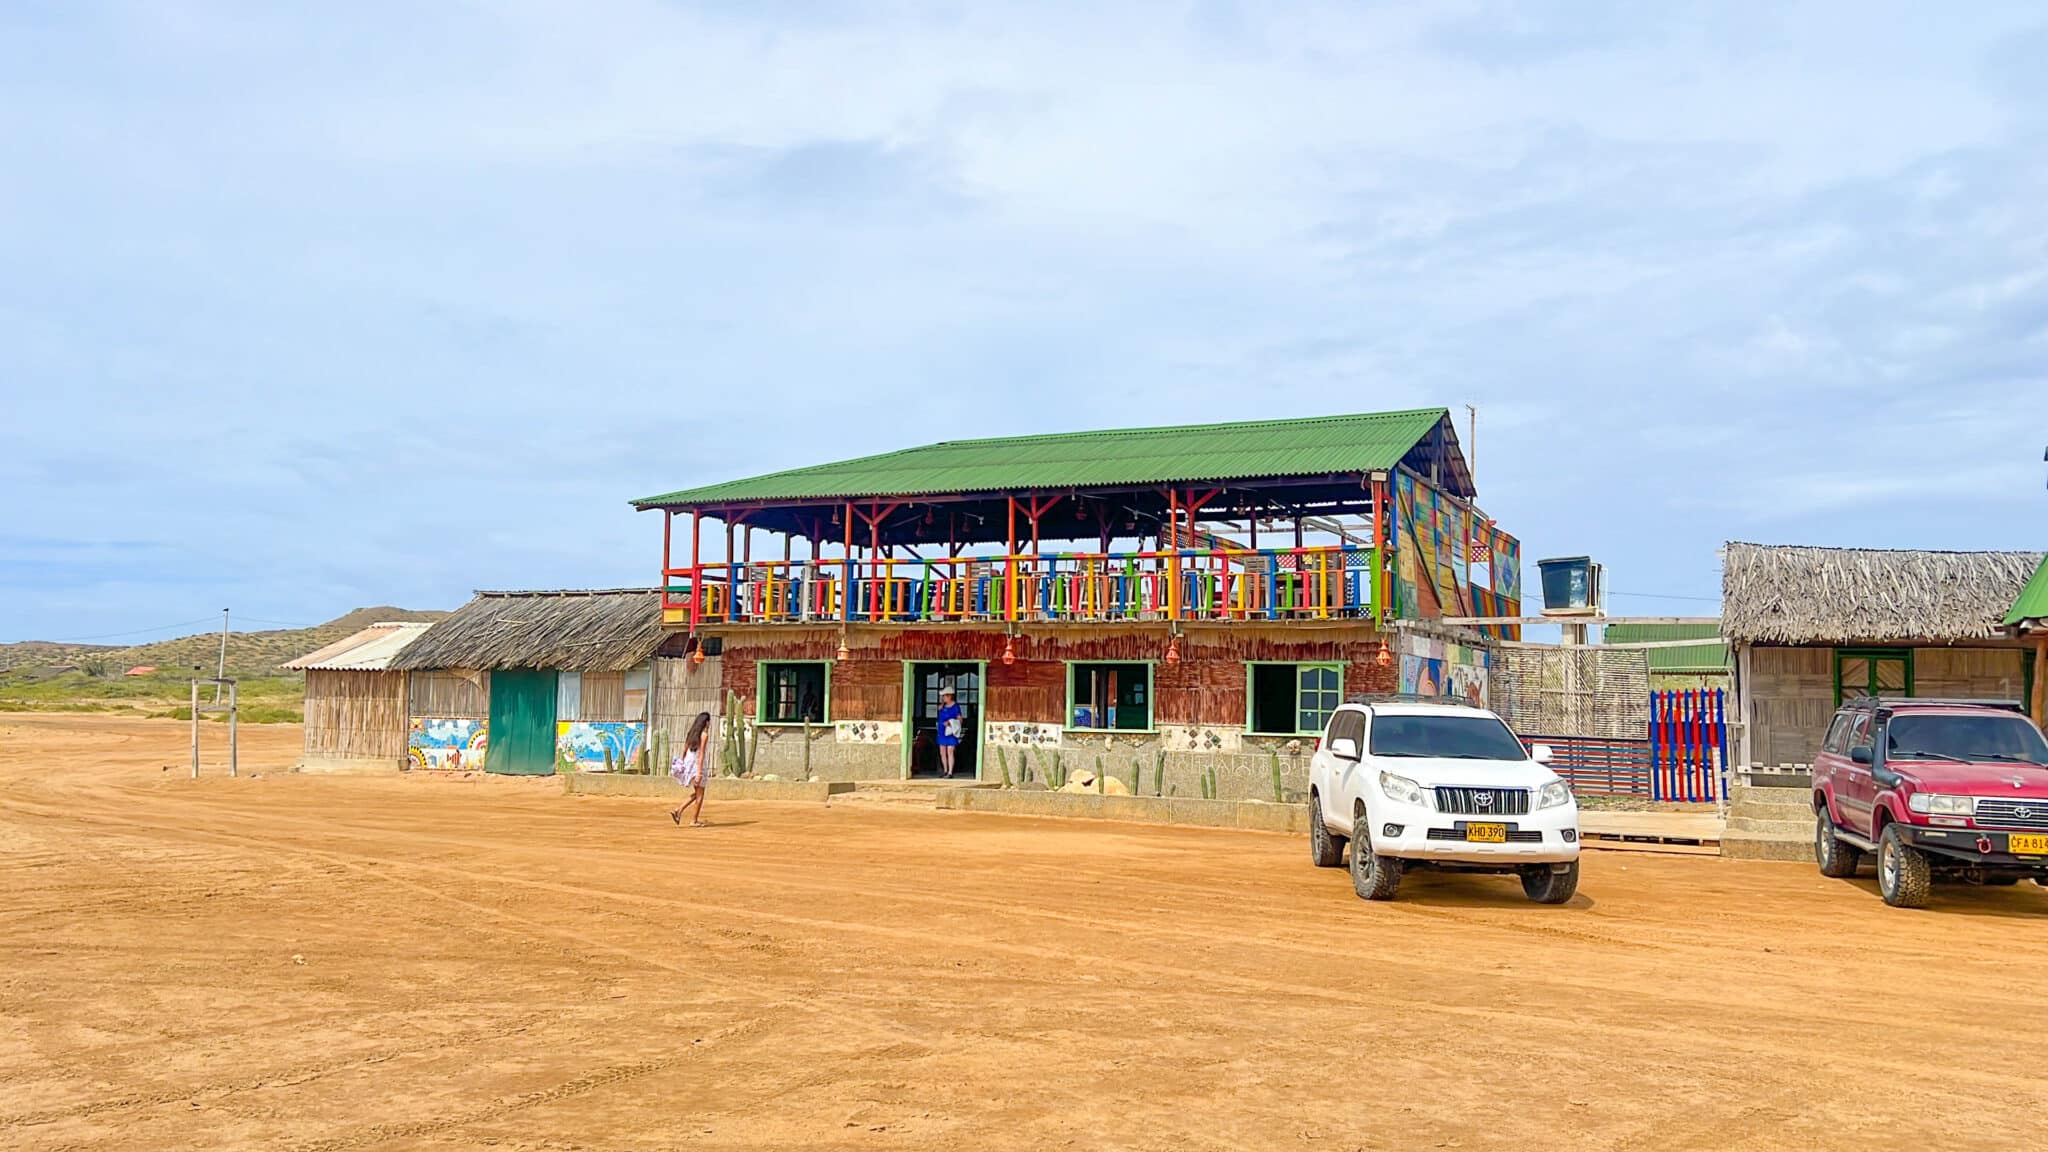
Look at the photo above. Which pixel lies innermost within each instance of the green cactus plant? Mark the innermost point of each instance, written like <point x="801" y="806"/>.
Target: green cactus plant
<point x="1003" y="758"/>
<point x="1159" y="772"/>
<point x="1137" y="776"/>
<point x="1024" y="758"/>
<point x="1279" y="793"/>
<point x="807" y="747"/>
<point x="1209" y="783"/>
<point x="1100" y="787"/>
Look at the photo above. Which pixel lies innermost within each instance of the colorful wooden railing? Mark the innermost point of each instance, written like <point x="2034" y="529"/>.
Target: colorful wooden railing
<point x="1189" y="584"/>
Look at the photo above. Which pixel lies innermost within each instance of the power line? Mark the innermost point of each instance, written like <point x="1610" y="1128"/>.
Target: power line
<point x="1666" y="596"/>
<point x="131" y="632"/>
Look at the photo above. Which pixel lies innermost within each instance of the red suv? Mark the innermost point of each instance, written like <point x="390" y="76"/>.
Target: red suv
<point x="1954" y="787"/>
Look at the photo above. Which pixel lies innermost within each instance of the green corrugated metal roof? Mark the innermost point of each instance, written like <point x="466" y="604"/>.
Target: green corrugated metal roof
<point x="1363" y="443"/>
<point x="2033" y="601"/>
<point x="1690" y="660"/>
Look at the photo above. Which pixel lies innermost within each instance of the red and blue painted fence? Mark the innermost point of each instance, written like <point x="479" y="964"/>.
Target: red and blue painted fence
<point x="1688" y="744"/>
<point x="1682" y="760"/>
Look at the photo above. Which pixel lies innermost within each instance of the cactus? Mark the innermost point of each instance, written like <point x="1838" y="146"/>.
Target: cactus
<point x="1100" y="788"/>
<point x="736" y="750"/>
<point x="1024" y="760"/>
<point x="1003" y="758"/>
<point x="1056" y="776"/>
<point x="1279" y="794"/>
<point x="753" y="749"/>
<point x="1209" y="783"/>
<point x="1137" y="776"/>
<point x="1159" y="772"/>
<point x="807" y="746"/>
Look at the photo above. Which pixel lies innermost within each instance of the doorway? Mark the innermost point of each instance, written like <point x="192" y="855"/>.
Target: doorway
<point x="522" y="731"/>
<point x="922" y="685"/>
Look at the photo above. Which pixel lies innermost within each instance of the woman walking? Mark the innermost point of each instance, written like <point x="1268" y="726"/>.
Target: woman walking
<point x="688" y="770"/>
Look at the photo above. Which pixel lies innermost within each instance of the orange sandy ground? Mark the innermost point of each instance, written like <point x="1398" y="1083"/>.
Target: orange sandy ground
<point x="306" y="963"/>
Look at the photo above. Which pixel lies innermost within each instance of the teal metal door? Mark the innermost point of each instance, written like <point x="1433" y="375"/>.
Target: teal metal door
<point x="522" y="723"/>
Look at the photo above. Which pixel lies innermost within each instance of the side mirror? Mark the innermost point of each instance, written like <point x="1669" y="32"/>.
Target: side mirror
<point x="1542" y="753"/>
<point x="1344" y="748"/>
<point x="1860" y="755"/>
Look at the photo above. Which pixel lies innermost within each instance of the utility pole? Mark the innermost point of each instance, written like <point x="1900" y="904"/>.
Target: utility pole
<point x="1472" y="445"/>
<point x="221" y="673"/>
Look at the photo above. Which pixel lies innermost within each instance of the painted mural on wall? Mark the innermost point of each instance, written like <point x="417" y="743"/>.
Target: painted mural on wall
<point x="1019" y="734"/>
<point x="447" y="744"/>
<point x="598" y="745"/>
<point x="1431" y="667"/>
<point x="868" y="731"/>
<point x="1432" y="566"/>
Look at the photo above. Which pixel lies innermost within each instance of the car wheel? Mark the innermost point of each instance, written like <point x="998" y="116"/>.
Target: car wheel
<point x="1903" y="875"/>
<point x="1373" y="877"/>
<point x="1325" y="849"/>
<point x="1545" y="885"/>
<point x="1835" y="858"/>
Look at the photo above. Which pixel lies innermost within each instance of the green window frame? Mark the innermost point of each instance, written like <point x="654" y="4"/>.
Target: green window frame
<point x="1317" y="689"/>
<point x="1143" y="699"/>
<point x="785" y="687"/>
<point x="1861" y="672"/>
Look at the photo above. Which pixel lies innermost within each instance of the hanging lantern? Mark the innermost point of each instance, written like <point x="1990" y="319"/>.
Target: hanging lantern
<point x="1385" y="657"/>
<point x="697" y="654"/>
<point x="842" y="653"/>
<point x="1009" y="652"/>
<point x="1173" y="650"/>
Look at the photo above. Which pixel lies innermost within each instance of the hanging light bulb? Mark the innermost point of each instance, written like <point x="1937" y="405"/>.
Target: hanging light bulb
<point x="1009" y="651"/>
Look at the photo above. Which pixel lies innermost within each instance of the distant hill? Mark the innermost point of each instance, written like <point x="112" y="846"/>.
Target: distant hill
<point x="249" y="653"/>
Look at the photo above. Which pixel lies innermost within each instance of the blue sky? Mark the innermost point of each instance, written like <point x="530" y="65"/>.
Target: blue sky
<point x="304" y="307"/>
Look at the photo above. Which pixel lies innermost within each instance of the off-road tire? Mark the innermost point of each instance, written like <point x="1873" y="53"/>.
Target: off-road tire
<point x="1835" y="858"/>
<point x="1545" y="886"/>
<point x="1904" y="877"/>
<point x="1373" y="877"/>
<point x="1324" y="847"/>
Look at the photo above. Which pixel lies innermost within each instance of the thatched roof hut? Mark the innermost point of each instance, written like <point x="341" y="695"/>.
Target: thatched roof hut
<point x="605" y="630"/>
<point x="1786" y="594"/>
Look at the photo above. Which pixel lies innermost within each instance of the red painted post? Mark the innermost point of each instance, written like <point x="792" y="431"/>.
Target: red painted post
<point x="696" y="569"/>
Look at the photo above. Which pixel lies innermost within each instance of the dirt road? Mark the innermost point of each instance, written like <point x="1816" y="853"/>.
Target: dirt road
<point x="303" y="963"/>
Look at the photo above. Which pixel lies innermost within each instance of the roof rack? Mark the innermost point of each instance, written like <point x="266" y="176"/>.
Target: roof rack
<point x="1404" y="698"/>
<point x="1893" y="701"/>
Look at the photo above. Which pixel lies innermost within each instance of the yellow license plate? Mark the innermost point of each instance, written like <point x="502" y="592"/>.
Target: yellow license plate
<point x="2027" y="845"/>
<point x="1498" y="834"/>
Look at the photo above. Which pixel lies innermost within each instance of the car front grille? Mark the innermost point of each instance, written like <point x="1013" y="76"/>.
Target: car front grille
<point x="1515" y="835"/>
<point x="2030" y="814"/>
<point x="1483" y="801"/>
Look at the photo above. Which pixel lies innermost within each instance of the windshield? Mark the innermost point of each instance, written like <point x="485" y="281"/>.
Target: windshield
<point x="1457" y="737"/>
<point x="1965" y="737"/>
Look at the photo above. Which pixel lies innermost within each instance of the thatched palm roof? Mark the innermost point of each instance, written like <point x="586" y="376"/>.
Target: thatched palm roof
<point x="1786" y="594"/>
<point x="597" y="631"/>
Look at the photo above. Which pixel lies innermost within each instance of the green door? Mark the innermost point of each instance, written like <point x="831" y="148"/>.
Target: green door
<point x="522" y="723"/>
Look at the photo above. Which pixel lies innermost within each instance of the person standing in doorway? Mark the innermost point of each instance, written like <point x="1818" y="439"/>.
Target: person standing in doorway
<point x="688" y="770"/>
<point x="949" y="731"/>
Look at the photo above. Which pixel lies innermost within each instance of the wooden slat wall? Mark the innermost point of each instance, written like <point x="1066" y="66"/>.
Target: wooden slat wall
<point x="1791" y="702"/>
<point x="1970" y="673"/>
<point x="604" y="696"/>
<point x="681" y="690"/>
<point x="355" y="715"/>
<point x="451" y="695"/>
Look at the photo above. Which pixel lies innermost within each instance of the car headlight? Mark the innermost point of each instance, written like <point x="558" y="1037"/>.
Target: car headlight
<point x="1937" y="804"/>
<point x="1401" y="788"/>
<point x="1553" y="794"/>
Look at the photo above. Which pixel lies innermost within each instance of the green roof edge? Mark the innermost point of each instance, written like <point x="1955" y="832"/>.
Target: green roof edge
<point x="2032" y="602"/>
<point x="686" y="495"/>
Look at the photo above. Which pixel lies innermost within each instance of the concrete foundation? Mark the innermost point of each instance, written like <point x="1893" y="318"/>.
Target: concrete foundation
<point x="717" y="788"/>
<point x="335" y="766"/>
<point x="1137" y="809"/>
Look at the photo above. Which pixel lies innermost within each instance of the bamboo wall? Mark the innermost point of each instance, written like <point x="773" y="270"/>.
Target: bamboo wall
<point x="1792" y="691"/>
<point x="451" y="694"/>
<point x="355" y="716"/>
<point x="604" y="697"/>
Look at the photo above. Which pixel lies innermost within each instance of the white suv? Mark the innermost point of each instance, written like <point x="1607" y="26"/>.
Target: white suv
<point x="1415" y="783"/>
